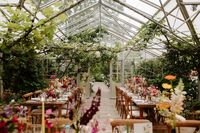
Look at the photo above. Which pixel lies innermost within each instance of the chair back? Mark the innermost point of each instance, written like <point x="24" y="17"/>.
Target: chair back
<point x="58" y="124"/>
<point x="37" y="93"/>
<point x="27" y="96"/>
<point x="126" y="122"/>
<point x="128" y="106"/>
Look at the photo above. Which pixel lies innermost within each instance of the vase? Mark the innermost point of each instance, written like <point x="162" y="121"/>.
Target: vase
<point x="173" y="130"/>
<point x="150" y="98"/>
<point x="77" y="131"/>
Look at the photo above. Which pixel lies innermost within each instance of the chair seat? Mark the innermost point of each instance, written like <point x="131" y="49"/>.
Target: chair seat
<point x="36" y="115"/>
<point x="36" y="112"/>
<point x="136" y="113"/>
<point x="133" y="108"/>
<point x="64" y="112"/>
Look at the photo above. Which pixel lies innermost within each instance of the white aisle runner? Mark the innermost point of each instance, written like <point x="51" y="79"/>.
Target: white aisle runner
<point x="107" y="108"/>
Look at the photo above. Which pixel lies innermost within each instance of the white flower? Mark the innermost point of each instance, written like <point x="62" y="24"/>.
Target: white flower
<point x="12" y="101"/>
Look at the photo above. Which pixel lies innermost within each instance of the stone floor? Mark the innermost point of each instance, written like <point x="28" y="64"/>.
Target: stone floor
<point x="108" y="111"/>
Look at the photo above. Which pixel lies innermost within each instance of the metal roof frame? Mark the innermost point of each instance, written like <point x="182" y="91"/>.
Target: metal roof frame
<point x="104" y="10"/>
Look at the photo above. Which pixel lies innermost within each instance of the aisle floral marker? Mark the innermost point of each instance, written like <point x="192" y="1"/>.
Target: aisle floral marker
<point x="9" y="119"/>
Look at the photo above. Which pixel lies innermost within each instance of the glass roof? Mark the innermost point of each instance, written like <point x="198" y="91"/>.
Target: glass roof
<point x="121" y="18"/>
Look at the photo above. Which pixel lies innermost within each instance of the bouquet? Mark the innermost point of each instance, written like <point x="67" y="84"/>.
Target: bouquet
<point x="9" y="120"/>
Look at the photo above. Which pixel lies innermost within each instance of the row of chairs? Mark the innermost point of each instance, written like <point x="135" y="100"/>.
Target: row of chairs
<point x="125" y="106"/>
<point x="130" y="114"/>
<point x="115" y="123"/>
<point x="58" y="124"/>
<point x="73" y="100"/>
<point x="30" y="95"/>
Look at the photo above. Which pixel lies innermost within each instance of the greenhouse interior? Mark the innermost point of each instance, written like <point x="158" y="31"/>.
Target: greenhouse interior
<point x="99" y="66"/>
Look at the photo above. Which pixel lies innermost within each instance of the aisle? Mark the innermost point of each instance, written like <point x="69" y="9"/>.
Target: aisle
<point x="107" y="108"/>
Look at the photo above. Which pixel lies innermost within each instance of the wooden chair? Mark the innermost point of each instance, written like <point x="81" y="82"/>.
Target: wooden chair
<point x="131" y="111"/>
<point x="58" y="124"/>
<point x="35" y="113"/>
<point x="194" y="115"/>
<point x="162" y="126"/>
<point x="126" y="122"/>
<point x="121" y="104"/>
<point x="117" y="102"/>
<point x="27" y="96"/>
<point x="65" y="110"/>
<point x="79" y="95"/>
<point x="37" y="93"/>
<point x="72" y="101"/>
<point x="187" y="123"/>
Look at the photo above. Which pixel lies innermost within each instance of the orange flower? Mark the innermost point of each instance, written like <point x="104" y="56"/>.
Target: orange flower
<point x="166" y="86"/>
<point x="163" y="105"/>
<point x="170" y="77"/>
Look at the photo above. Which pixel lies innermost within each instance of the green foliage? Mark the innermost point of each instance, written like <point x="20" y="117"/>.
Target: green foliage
<point x="48" y="11"/>
<point x="24" y="73"/>
<point x="180" y="64"/>
<point x="177" y="63"/>
<point x="147" y="33"/>
<point x="171" y="63"/>
<point x="88" y="36"/>
<point x="83" y="50"/>
<point x="20" y="46"/>
<point x="181" y="57"/>
<point x="152" y="70"/>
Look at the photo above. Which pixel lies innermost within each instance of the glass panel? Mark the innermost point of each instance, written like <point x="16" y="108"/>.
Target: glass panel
<point x="2" y="17"/>
<point x="142" y="6"/>
<point x="170" y="6"/>
<point x="194" y="13"/>
<point x="9" y="1"/>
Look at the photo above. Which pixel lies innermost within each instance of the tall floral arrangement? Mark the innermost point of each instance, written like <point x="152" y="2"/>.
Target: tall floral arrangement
<point x="172" y="100"/>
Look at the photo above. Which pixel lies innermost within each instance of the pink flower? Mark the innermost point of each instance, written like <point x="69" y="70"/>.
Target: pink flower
<point x="15" y="119"/>
<point x="154" y="92"/>
<point x="20" y="127"/>
<point x="2" y="124"/>
<point x="48" y="112"/>
<point x="53" y="77"/>
<point x="49" y="124"/>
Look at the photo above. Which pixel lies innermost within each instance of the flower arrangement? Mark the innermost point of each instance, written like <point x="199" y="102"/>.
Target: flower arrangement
<point x="95" y="126"/>
<point x="171" y="104"/>
<point x="51" y="93"/>
<point x="153" y="90"/>
<point x="82" y="118"/>
<point x="138" y="80"/>
<point x="54" y="93"/>
<point x="149" y="91"/>
<point x="9" y="119"/>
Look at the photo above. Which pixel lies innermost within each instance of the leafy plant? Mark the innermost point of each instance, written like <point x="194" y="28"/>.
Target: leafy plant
<point x="83" y="51"/>
<point x="147" y="33"/>
<point x="22" y="41"/>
